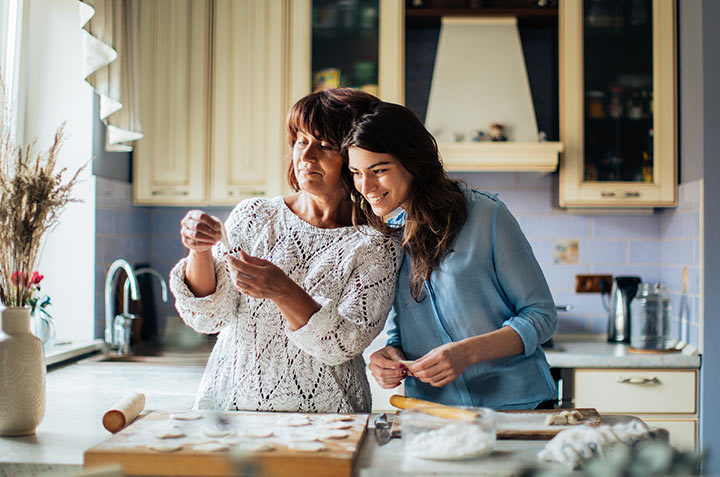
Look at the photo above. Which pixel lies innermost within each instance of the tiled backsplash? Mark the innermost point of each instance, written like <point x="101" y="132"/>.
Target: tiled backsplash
<point x="656" y="247"/>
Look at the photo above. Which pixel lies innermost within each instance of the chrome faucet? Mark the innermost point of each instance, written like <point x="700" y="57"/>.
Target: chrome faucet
<point x="123" y="322"/>
<point x="110" y="297"/>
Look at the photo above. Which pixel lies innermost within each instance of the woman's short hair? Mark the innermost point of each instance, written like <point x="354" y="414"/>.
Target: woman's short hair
<point x="328" y="115"/>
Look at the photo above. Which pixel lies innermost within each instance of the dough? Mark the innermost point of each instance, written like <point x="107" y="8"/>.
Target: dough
<point x="307" y="446"/>
<point x="186" y="416"/>
<point x="297" y="421"/>
<point x="255" y="447"/>
<point x="218" y="432"/>
<point x="335" y="434"/>
<point x="338" y="425"/>
<point x="166" y="447"/>
<point x="257" y="433"/>
<point x="304" y="436"/>
<point x="564" y="417"/>
<point x="340" y="418"/>
<point x="169" y="433"/>
<point x="212" y="447"/>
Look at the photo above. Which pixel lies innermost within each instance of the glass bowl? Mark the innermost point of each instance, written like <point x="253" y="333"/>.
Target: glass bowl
<point x="433" y="432"/>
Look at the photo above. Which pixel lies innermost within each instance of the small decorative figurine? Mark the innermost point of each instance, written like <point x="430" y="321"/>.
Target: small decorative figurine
<point x="497" y="132"/>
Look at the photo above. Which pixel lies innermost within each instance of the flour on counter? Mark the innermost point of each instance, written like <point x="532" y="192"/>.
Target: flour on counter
<point x="456" y="441"/>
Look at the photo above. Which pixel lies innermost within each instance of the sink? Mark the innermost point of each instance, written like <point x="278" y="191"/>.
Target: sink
<point x="159" y="355"/>
<point x="176" y="359"/>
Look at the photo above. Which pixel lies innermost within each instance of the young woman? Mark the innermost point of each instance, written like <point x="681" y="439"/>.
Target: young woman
<point x="301" y="292"/>
<point x="472" y="306"/>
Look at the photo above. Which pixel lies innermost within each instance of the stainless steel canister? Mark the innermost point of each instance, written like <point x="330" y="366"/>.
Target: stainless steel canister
<point x="651" y="318"/>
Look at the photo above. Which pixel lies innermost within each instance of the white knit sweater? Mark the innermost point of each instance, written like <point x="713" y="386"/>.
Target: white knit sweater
<point x="258" y="362"/>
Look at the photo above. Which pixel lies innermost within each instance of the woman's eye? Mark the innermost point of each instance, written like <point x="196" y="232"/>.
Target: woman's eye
<point x="327" y="147"/>
<point x="379" y="171"/>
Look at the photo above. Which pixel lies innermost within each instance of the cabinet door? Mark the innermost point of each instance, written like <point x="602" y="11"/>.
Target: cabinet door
<point x="170" y="162"/>
<point x="249" y="103"/>
<point x="618" y="103"/>
<point x="683" y="433"/>
<point x="356" y="44"/>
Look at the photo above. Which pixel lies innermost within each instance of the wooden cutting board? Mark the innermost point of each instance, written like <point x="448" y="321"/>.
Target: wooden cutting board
<point x="132" y="447"/>
<point x="531" y="424"/>
<point x="526" y="424"/>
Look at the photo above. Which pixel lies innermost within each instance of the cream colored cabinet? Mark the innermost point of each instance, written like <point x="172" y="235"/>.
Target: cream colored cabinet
<point x="213" y="85"/>
<point x="618" y="107"/>
<point x="661" y="397"/>
<point x="170" y="162"/>
<point x="374" y="23"/>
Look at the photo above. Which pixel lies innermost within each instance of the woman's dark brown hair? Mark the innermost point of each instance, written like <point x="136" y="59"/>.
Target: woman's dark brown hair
<point x="328" y="115"/>
<point x="437" y="207"/>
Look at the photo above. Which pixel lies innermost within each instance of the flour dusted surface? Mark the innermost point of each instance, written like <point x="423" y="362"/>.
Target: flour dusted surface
<point x="259" y="362"/>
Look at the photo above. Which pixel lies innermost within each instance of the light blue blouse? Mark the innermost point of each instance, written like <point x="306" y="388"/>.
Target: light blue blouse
<point x="490" y="279"/>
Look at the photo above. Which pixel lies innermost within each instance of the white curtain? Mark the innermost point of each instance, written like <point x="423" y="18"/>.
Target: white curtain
<point x="111" y="57"/>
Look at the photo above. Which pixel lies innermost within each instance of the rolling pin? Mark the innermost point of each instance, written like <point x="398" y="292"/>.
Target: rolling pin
<point x="123" y="412"/>
<point x="439" y="410"/>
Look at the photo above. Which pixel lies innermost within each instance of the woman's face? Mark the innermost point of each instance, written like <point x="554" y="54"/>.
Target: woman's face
<point x="381" y="179"/>
<point x="317" y="164"/>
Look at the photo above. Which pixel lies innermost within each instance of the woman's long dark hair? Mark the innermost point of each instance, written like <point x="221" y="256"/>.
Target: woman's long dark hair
<point x="437" y="207"/>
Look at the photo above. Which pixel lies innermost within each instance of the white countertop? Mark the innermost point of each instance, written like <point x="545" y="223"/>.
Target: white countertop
<point x="601" y="354"/>
<point x="78" y="395"/>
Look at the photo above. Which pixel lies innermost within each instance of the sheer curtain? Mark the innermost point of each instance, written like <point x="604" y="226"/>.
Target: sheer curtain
<point x="110" y="66"/>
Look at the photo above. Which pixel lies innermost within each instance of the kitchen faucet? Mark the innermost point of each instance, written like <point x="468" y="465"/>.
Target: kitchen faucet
<point x="110" y="297"/>
<point x="123" y="321"/>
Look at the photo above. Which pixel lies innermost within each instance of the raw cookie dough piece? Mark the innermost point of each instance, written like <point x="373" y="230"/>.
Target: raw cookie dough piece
<point x="331" y="418"/>
<point x="296" y="421"/>
<point x="338" y="425"/>
<point x="257" y="433"/>
<point x="212" y="447"/>
<point x="166" y="447"/>
<point x="304" y="436"/>
<point x="335" y="434"/>
<point x="169" y="433"/>
<point x="186" y="416"/>
<point x="255" y="447"/>
<point x="307" y="446"/>
<point x="218" y="432"/>
<point x="564" y="417"/>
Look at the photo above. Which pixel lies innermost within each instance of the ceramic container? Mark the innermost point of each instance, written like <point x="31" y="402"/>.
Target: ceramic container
<point x="22" y="374"/>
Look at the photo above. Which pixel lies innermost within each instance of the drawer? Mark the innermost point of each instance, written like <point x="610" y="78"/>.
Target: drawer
<point x="683" y="433"/>
<point x="636" y="391"/>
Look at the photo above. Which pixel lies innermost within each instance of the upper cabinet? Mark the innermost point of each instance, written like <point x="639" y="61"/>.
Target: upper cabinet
<point x="352" y="43"/>
<point x="618" y="111"/>
<point x="213" y="92"/>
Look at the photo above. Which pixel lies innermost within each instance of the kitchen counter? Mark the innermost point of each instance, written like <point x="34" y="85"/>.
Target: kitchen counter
<point x="78" y="395"/>
<point x="601" y="354"/>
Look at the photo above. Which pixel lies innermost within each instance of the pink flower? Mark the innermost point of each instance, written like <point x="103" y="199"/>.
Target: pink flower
<point x="36" y="278"/>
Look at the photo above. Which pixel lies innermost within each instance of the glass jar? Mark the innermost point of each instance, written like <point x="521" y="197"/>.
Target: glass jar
<point x="650" y="318"/>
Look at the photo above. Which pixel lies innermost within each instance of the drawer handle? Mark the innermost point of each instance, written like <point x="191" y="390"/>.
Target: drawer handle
<point x="638" y="380"/>
<point x="625" y="195"/>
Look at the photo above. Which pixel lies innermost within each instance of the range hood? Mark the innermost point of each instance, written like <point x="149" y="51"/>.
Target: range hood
<point x="479" y="79"/>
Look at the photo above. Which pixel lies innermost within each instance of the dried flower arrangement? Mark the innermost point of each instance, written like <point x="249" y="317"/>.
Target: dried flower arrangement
<point x="32" y="195"/>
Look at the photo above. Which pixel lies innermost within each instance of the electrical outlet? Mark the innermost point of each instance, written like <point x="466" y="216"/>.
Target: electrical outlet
<point x="592" y="283"/>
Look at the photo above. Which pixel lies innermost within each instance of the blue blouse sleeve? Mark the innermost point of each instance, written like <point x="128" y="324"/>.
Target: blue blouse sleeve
<point x="522" y="282"/>
<point x="393" y="330"/>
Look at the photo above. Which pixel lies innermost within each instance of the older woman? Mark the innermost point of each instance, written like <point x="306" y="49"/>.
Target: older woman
<point x="301" y="292"/>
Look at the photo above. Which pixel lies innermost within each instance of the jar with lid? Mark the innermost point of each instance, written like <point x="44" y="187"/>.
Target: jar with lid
<point x="650" y="318"/>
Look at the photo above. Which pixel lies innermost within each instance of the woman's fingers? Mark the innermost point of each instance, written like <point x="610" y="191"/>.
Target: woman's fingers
<point x="199" y="231"/>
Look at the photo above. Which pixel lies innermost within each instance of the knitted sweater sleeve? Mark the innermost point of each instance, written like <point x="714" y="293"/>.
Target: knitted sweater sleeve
<point x="209" y="314"/>
<point x="345" y="326"/>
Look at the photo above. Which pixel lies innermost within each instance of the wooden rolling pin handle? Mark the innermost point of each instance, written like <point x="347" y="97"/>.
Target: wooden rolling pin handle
<point x="123" y="412"/>
<point x="439" y="410"/>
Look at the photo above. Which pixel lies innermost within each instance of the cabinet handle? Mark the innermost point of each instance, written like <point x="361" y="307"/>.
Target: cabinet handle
<point x="637" y="380"/>
<point x="625" y="195"/>
<point x="169" y="192"/>
<point x="233" y="193"/>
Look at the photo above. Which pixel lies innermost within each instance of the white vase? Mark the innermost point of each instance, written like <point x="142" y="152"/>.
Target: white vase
<point x="22" y="374"/>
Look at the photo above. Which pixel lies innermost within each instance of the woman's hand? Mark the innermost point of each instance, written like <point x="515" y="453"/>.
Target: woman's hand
<point x="386" y="368"/>
<point x="199" y="231"/>
<point x="258" y="278"/>
<point x="441" y="365"/>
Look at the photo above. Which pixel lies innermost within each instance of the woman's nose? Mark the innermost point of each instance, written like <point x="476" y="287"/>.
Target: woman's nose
<point x="309" y="152"/>
<point x="366" y="185"/>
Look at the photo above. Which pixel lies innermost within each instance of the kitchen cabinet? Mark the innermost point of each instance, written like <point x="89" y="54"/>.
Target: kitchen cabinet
<point x="618" y="103"/>
<point x="661" y="397"/>
<point x="213" y="76"/>
<point x="357" y="44"/>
